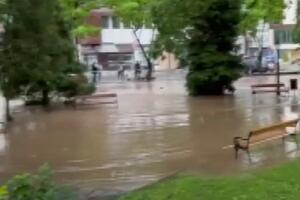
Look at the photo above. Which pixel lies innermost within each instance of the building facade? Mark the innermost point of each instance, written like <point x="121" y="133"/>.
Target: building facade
<point x="268" y="35"/>
<point x="117" y="44"/>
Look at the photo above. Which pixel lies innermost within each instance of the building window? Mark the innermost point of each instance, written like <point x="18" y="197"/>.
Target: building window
<point x="105" y="21"/>
<point x="127" y="25"/>
<point x="116" y="22"/>
<point x="284" y="36"/>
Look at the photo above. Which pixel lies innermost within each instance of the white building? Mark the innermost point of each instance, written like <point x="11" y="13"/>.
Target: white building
<point x="117" y="44"/>
<point x="268" y="34"/>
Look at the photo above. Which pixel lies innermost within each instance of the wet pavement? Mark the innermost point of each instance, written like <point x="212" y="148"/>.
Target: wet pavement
<point x="155" y="130"/>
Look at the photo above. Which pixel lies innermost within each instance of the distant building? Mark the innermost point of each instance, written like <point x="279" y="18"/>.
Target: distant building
<point x="268" y="34"/>
<point x="116" y="45"/>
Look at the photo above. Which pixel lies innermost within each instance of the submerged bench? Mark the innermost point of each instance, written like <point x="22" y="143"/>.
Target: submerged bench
<point x="268" y="88"/>
<point x="95" y="99"/>
<point x="277" y="131"/>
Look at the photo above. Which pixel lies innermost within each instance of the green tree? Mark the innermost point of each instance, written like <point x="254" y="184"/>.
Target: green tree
<point x="296" y="31"/>
<point x="37" y="52"/>
<point x="75" y="13"/>
<point x="212" y="37"/>
<point x="137" y="14"/>
<point x="181" y="22"/>
<point x="202" y="34"/>
<point x="255" y="12"/>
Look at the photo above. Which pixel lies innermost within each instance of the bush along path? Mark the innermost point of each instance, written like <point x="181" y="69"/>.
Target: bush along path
<point x="277" y="183"/>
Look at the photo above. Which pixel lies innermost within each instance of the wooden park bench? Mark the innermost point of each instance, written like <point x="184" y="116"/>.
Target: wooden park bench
<point x="96" y="99"/>
<point x="262" y="135"/>
<point x="268" y="88"/>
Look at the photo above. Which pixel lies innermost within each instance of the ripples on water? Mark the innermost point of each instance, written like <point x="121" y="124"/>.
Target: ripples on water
<point x="154" y="131"/>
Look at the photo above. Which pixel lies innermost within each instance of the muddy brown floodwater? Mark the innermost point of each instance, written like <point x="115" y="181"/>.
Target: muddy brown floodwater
<point x="154" y="131"/>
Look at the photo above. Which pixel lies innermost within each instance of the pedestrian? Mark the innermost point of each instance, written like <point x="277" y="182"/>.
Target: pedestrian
<point x="121" y="73"/>
<point x="100" y="69"/>
<point x="95" y="71"/>
<point x="137" y="70"/>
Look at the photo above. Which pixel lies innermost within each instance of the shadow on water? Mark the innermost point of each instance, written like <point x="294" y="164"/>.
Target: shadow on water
<point x="153" y="132"/>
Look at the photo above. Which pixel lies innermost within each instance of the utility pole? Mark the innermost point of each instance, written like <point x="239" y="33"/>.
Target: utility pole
<point x="278" y="68"/>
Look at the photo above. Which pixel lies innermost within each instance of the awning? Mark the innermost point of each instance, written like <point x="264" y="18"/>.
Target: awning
<point x="113" y="48"/>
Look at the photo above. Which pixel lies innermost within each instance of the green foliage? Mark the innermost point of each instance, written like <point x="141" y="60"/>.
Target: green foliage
<point x="253" y="11"/>
<point x="76" y="85"/>
<point x="134" y="12"/>
<point x="213" y="68"/>
<point x="275" y="183"/>
<point x="35" y="187"/>
<point x="75" y="13"/>
<point x="296" y="31"/>
<point x="202" y="34"/>
<point x="173" y="18"/>
<point x="3" y="193"/>
<point x="137" y="13"/>
<point x="38" y="52"/>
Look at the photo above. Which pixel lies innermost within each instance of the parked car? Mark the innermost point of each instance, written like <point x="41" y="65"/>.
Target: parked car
<point x="252" y="65"/>
<point x="270" y="61"/>
<point x="268" y="64"/>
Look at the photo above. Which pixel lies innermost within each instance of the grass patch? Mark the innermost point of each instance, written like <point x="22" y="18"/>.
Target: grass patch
<point x="277" y="183"/>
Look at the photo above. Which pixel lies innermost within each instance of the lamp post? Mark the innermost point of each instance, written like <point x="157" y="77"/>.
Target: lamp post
<point x="277" y="46"/>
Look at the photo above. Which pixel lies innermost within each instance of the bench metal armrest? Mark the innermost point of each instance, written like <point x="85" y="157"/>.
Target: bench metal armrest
<point x="237" y="145"/>
<point x="241" y="138"/>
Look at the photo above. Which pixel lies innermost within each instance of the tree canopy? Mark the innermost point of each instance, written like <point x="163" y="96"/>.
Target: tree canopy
<point x="254" y="11"/>
<point x="37" y="52"/>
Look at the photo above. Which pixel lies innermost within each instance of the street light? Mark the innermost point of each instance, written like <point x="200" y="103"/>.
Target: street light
<point x="277" y="46"/>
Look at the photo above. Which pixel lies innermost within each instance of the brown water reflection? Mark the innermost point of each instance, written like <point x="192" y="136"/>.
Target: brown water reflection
<point x="155" y="130"/>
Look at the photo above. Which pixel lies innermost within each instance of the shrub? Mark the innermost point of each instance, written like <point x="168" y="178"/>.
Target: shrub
<point x="213" y="67"/>
<point x="35" y="187"/>
<point x="76" y="85"/>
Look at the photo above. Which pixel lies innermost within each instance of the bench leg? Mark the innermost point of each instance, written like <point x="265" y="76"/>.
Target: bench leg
<point x="294" y="136"/>
<point x="236" y="149"/>
<point x="283" y="139"/>
<point x="249" y="156"/>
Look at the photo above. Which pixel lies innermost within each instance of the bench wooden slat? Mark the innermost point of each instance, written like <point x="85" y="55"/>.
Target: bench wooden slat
<point x="97" y="103"/>
<point x="264" y="134"/>
<point x="269" y="91"/>
<point x="268" y="88"/>
<point x="275" y="126"/>
<point x="96" y="99"/>
<point x="268" y="85"/>
<point x="108" y="95"/>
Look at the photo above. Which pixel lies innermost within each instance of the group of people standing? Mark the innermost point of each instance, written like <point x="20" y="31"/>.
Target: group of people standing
<point x="137" y="72"/>
<point x="96" y="71"/>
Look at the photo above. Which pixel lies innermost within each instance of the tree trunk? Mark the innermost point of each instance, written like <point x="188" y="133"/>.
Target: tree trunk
<point x="8" y="115"/>
<point x="148" y="60"/>
<point x="247" y="53"/>
<point x="77" y="56"/>
<point x="45" y="97"/>
<point x="261" y="46"/>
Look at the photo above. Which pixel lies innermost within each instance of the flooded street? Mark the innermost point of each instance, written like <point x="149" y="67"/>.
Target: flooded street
<point x="155" y="130"/>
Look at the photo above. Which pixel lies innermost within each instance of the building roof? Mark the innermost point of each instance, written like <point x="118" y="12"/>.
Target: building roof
<point x="125" y="48"/>
<point x="113" y="48"/>
<point x="94" y="19"/>
<point x="282" y="26"/>
<point x="90" y="41"/>
<point x="104" y="11"/>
